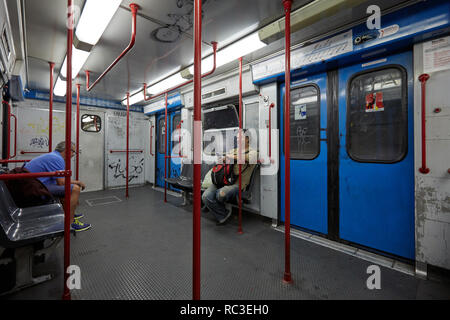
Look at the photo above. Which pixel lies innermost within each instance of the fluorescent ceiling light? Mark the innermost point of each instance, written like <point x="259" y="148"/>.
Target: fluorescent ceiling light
<point x="233" y="52"/>
<point x="79" y="58"/>
<point x="168" y="83"/>
<point x="95" y="18"/>
<point x="60" y="88"/>
<point x="138" y="97"/>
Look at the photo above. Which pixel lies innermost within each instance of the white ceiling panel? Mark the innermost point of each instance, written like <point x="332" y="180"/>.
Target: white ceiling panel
<point x="164" y="38"/>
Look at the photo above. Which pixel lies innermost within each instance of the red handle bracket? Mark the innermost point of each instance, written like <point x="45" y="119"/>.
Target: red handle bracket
<point x="134" y="9"/>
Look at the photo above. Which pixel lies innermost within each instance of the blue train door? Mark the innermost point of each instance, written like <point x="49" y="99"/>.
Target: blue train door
<point x="173" y="165"/>
<point x="309" y="199"/>
<point x="376" y="158"/>
<point x="160" y="150"/>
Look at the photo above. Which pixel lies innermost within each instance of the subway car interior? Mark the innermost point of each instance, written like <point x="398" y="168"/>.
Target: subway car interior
<point x="225" y="150"/>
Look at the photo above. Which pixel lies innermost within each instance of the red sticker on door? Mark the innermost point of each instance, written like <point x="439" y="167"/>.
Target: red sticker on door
<point x="374" y="102"/>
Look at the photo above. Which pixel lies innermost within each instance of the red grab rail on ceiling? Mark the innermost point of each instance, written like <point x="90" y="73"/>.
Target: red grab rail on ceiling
<point x="134" y="9"/>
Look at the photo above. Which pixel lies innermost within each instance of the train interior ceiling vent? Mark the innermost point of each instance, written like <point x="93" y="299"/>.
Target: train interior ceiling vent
<point x="321" y="125"/>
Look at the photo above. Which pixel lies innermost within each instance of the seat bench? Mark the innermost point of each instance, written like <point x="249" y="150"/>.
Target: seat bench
<point x="184" y="182"/>
<point x="26" y="233"/>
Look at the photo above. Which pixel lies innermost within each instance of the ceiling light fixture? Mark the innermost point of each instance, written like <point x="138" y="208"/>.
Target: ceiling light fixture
<point x="79" y="58"/>
<point x="96" y="16"/>
<point x="60" y="88"/>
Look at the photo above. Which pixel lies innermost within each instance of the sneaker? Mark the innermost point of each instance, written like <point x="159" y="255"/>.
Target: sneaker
<point x="222" y="221"/>
<point x="78" y="216"/>
<point x="79" y="226"/>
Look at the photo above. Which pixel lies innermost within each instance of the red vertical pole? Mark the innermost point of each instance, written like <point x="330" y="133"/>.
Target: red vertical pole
<point x="166" y="131"/>
<point x="67" y="222"/>
<point x="272" y="105"/>
<point x="197" y="148"/>
<point x="128" y="141"/>
<point x="50" y="109"/>
<point x="15" y="136"/>
<point x="8" y="144"/>
<point x="287" y="142"/>
<point x="240" y="146"/>
<point x="78" y="133"/>
<point x="423" y="79"/>
<point x="151" y="139"/>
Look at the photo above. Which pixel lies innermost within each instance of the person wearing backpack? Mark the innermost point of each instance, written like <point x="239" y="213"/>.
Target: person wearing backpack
<point x="225" y="178"/>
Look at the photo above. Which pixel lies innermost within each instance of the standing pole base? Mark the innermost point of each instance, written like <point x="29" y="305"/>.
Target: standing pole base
<point x="287" y="278"/>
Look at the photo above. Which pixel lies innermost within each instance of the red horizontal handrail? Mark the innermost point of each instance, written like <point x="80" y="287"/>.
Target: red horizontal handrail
<point x="424" y="169"/>
<point x="14" y="161"/>
<point x="33" y="152"/>
<point x="35" y="175"/>
<point x="134" y="9"/>
<point x="124" y="151"/>
<point x="214" y="45"/>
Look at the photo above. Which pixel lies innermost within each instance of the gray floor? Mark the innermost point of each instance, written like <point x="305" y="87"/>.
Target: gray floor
<point x="141" y="248"/>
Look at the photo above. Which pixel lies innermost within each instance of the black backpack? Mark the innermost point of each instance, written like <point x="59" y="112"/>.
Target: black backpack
<point x="223" y="175"/>
<point x="28" y="192"/>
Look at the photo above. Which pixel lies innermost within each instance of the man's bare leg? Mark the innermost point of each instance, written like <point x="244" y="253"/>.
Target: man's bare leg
<point x="74" y="196"/>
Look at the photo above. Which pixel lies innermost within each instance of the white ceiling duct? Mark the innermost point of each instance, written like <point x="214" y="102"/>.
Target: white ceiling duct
<point x="306" y="16"/>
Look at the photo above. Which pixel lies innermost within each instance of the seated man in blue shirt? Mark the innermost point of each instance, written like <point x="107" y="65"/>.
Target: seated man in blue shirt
<point x="55" y="161"/>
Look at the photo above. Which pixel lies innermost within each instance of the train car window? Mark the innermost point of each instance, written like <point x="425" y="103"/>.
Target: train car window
<point x="219" y="141"/>
<point x="305" y="123"/>
<point x="377" y="123"/>
<point x="161" y="136"/>
<point x="91" y="123"/>
<point x="5" y="43"/>
<point x="252" y="121"/>
<point x="220" y="118"/>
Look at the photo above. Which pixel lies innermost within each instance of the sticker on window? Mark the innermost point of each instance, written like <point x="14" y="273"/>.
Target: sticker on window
<point x="300" y="112"/>
<point x="374" y="102"/>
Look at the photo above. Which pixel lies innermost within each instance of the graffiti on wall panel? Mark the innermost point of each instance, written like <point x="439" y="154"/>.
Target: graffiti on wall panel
<point x="118" y="169"/>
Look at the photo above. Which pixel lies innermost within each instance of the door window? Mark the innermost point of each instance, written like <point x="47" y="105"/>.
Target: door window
<point x="176" y="129"/>
<point x="377" y="123"/>
<point x="305" y="123"/>
<point x="91" y="123"/>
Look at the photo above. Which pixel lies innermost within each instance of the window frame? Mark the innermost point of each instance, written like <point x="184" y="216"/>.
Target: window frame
<point x="301" y="86"/>
<point x="405" y="106"/>
<point x="91" y="115"/>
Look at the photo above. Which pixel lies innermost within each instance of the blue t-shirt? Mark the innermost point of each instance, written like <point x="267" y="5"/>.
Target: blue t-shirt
<point x="47" y="163"/>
